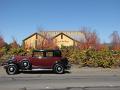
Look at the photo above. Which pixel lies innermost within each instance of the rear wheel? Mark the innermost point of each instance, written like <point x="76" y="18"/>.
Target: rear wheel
<point x="12" y="69"/>
<point x="59" y="69"/>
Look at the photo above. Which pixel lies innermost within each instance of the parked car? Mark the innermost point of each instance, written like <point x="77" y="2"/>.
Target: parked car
<point x="39" y="60"/>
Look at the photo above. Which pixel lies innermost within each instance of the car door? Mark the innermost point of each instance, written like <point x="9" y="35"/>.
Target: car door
<point x="37" y="59"/>
<point x="49" y="60"/>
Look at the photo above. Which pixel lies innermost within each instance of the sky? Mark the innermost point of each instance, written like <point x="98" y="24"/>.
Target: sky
<point x="21" y="18"/>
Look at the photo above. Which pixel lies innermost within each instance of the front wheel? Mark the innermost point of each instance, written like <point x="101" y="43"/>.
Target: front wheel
<point x="59" y="69"/>
<point x="12" y="69"/>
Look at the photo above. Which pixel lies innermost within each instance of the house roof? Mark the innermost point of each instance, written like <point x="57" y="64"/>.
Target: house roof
<point x="65" y="35"/>
<point x="74" y="35"/>
<point x="33" y="35"/>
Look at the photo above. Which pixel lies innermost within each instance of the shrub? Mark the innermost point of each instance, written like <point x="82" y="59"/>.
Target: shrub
<point x="17" y="51"/>
<point x="91" y="57"/>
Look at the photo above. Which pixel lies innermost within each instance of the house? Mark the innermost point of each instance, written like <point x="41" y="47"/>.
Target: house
<point x="65" y="38"/>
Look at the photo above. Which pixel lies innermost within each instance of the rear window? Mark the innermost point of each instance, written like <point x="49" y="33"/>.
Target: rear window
<point x="57" y="53"/>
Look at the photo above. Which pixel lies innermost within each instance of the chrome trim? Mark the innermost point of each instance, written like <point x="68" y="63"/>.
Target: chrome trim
<point x="41" y="69"/>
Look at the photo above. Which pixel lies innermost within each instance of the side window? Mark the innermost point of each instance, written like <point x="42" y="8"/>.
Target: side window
<point x="38" y="54"/>
<point x="57" y="54"/>
<point x="49" y="54"/>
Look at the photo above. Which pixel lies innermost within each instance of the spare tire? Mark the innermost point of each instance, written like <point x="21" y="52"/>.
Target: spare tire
<point x="25" y="65"/>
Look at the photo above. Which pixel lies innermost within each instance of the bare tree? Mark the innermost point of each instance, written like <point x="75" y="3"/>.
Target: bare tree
<point x="14" y="43"/>
<point x="46" y="42"/>
<point x="91" y="39"/>
<point x="50" y="44"/>
<point x="115" y="41"/>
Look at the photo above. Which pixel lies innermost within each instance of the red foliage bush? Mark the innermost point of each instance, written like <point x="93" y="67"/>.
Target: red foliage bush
<point x="2" y="43"/>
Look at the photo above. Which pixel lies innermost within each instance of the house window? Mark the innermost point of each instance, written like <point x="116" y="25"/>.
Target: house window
<point x="36" y="36"/>
<point x="62" y="36"/>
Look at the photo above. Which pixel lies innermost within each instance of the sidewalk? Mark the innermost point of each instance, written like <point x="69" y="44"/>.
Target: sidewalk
<point x="85" y="71"/>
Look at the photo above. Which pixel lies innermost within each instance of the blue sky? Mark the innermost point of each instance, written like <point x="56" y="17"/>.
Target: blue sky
<point x="21" y="18"/>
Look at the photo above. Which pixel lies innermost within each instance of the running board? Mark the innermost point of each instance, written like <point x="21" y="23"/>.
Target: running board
<point x="42" y="69"/>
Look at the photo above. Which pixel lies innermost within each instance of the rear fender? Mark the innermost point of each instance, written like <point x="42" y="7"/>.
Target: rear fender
<point x="58" y="62"/>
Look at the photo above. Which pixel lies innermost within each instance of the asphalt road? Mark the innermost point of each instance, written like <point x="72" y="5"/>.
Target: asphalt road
<point x="76" y="79"/>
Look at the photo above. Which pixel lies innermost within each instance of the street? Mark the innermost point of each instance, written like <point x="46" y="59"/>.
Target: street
<point x="75" y="79"/>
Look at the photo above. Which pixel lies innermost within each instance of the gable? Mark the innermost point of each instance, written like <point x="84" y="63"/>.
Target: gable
<point x="62" y="39"/>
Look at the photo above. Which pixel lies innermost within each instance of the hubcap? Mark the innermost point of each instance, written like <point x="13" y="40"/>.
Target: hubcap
<point x="25" y="64"/>
<point x="11" y="69"/>
<point x="59" y="68"/>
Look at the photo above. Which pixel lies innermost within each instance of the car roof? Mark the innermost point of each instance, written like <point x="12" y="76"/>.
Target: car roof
<point x="44" y="50"/>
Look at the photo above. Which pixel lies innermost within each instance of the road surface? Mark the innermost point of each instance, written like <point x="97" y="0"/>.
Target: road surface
<point x="76" y="79"/>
